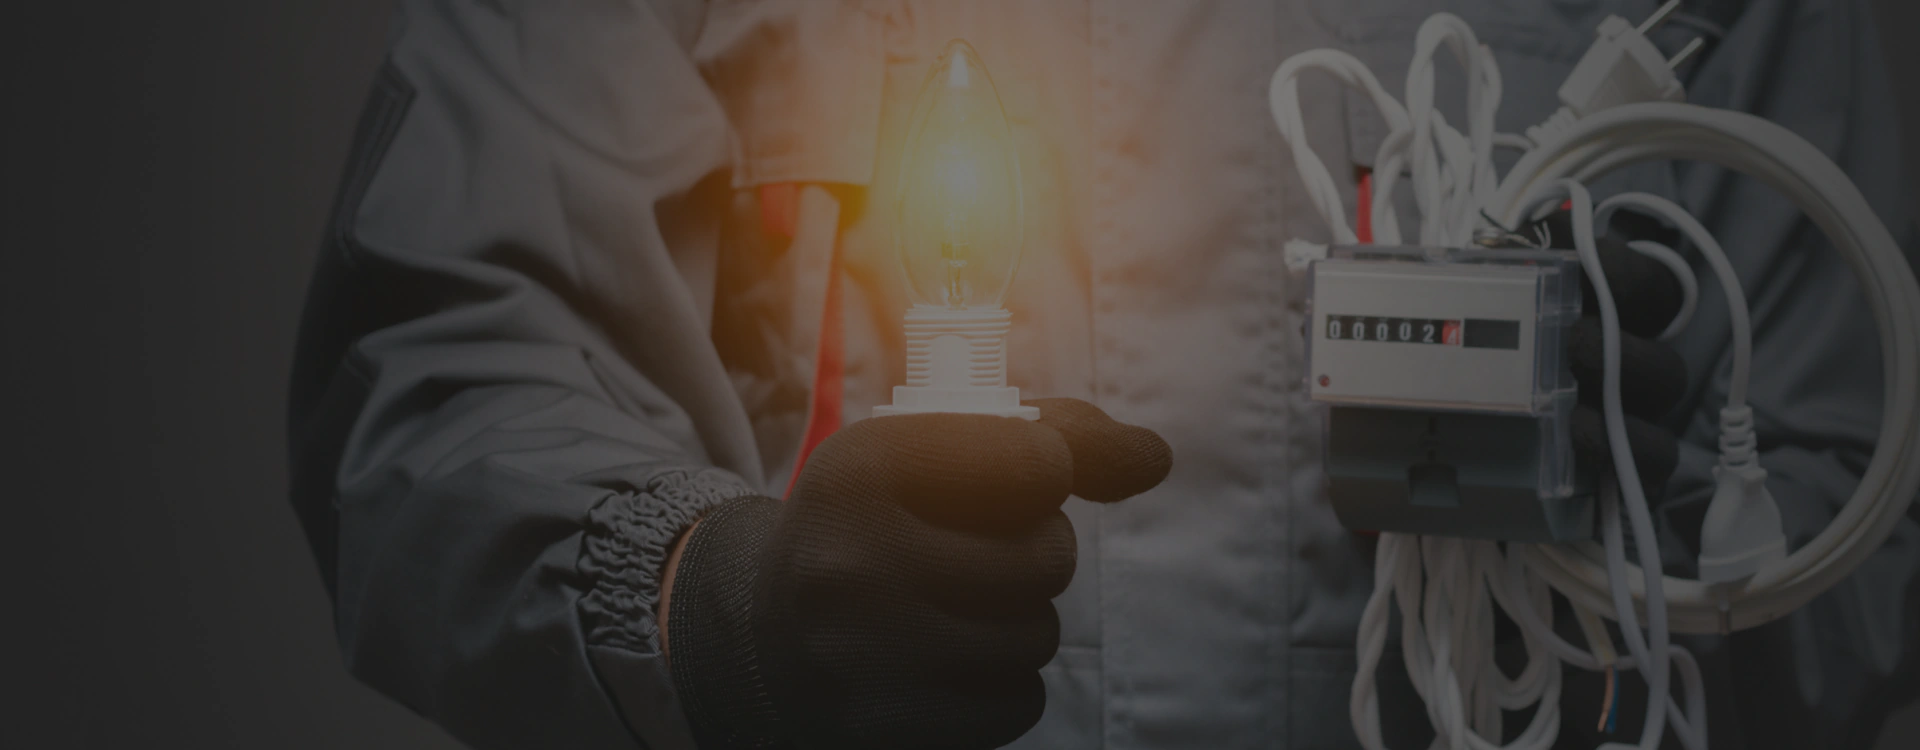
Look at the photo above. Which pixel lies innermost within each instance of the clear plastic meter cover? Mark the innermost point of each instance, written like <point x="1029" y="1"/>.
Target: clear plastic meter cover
<point x="1451" y="389"/>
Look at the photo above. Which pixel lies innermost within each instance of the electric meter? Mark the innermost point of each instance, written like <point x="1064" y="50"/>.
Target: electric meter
<point x="1449" y="392"/>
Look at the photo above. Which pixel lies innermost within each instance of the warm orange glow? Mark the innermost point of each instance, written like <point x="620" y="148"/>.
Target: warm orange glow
<point x="959" y="206"/>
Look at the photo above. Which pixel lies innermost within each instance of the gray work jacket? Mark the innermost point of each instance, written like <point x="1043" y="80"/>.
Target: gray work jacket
<point x="549" y="329"/>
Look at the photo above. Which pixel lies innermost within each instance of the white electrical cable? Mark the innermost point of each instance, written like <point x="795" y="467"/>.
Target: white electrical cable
<point x="1653" y="651"/>
<point x="1513" y="141"/>
<point x="1283" y="98"/>
<point x="1442" y="586"/>
<point x="1449" y="170"/>
<point x="1716" y="258"/>
<point x="1652" y="654"/>
<point x="1629" y="134"/>
<point x="1453" y="176"/>
<point x="1683" y="273"/>
<point x="1447" y="589"/>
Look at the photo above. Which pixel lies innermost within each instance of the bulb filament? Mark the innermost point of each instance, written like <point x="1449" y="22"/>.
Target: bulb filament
<point x="955" y="256"/>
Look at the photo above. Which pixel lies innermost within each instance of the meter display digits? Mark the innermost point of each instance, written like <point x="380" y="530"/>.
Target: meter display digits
<point x="1394" y="330"/>
<point x="1471" y="333"/>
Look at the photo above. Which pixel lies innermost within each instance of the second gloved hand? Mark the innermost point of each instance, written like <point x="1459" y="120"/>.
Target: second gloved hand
<point x="1653" y="377"/>
<point x="902" y="596"/>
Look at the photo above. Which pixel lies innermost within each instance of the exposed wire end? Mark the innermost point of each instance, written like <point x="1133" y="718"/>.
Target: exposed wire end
<point x="1608" y="704"/>
<point x="1300" y="254"/>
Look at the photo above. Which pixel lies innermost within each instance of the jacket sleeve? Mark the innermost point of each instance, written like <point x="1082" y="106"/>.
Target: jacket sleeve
<point x="506" y="400"/>
<point x="1827" y="675"/>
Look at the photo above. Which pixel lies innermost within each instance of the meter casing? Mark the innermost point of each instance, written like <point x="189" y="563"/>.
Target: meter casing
<point x="1449" y="392"/>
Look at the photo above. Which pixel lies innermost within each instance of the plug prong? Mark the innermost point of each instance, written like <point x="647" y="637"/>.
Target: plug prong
<point x="1692" y="48"/>
<point x="1659" y="17"/>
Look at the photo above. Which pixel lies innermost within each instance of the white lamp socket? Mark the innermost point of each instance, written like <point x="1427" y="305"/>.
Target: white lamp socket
<point x="957" y="362"/>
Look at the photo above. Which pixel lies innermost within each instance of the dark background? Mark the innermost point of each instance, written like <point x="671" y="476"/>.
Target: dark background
<point x="168" y="167"/>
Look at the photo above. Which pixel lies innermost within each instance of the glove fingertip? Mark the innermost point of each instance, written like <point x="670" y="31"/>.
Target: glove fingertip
<point x="1656" y="452"/>
<point x="1112" y="461"/>
<point x="1141" y="461"/>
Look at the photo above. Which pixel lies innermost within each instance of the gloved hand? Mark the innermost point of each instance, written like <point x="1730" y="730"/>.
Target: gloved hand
<point x="901" y="598"/>
<point x="1653" y="377"/>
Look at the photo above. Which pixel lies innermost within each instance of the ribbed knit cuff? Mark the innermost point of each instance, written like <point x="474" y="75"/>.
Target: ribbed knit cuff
<point x="625" y="548"/>
<point x="716" y="667"/>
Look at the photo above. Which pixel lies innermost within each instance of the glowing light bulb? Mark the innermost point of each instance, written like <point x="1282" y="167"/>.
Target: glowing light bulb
<point x="958" y="227"/>
<point x="958" y="209"/>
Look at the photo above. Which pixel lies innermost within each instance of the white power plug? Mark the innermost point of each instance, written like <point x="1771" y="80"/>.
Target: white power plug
<point x="1741" y="533"/>
<point x="1622" y="67"/>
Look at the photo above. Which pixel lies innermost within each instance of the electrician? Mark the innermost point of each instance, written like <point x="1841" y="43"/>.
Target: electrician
<point x="574" y="418"/>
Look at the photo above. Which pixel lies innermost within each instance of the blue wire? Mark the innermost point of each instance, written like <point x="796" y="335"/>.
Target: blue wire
<point x="1613" y="706"/>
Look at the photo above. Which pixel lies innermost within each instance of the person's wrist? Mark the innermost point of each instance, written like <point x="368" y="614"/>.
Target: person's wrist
<point x="669" y="571"/>
<point x="715" y="663"/>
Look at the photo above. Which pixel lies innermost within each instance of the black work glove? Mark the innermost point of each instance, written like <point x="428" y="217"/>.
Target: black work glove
<point x="1653" y="377"/>
<point x="902" y="598"/>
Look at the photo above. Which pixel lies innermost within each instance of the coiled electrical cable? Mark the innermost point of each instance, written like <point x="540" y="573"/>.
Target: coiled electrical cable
<point x="1447" y="589"/>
